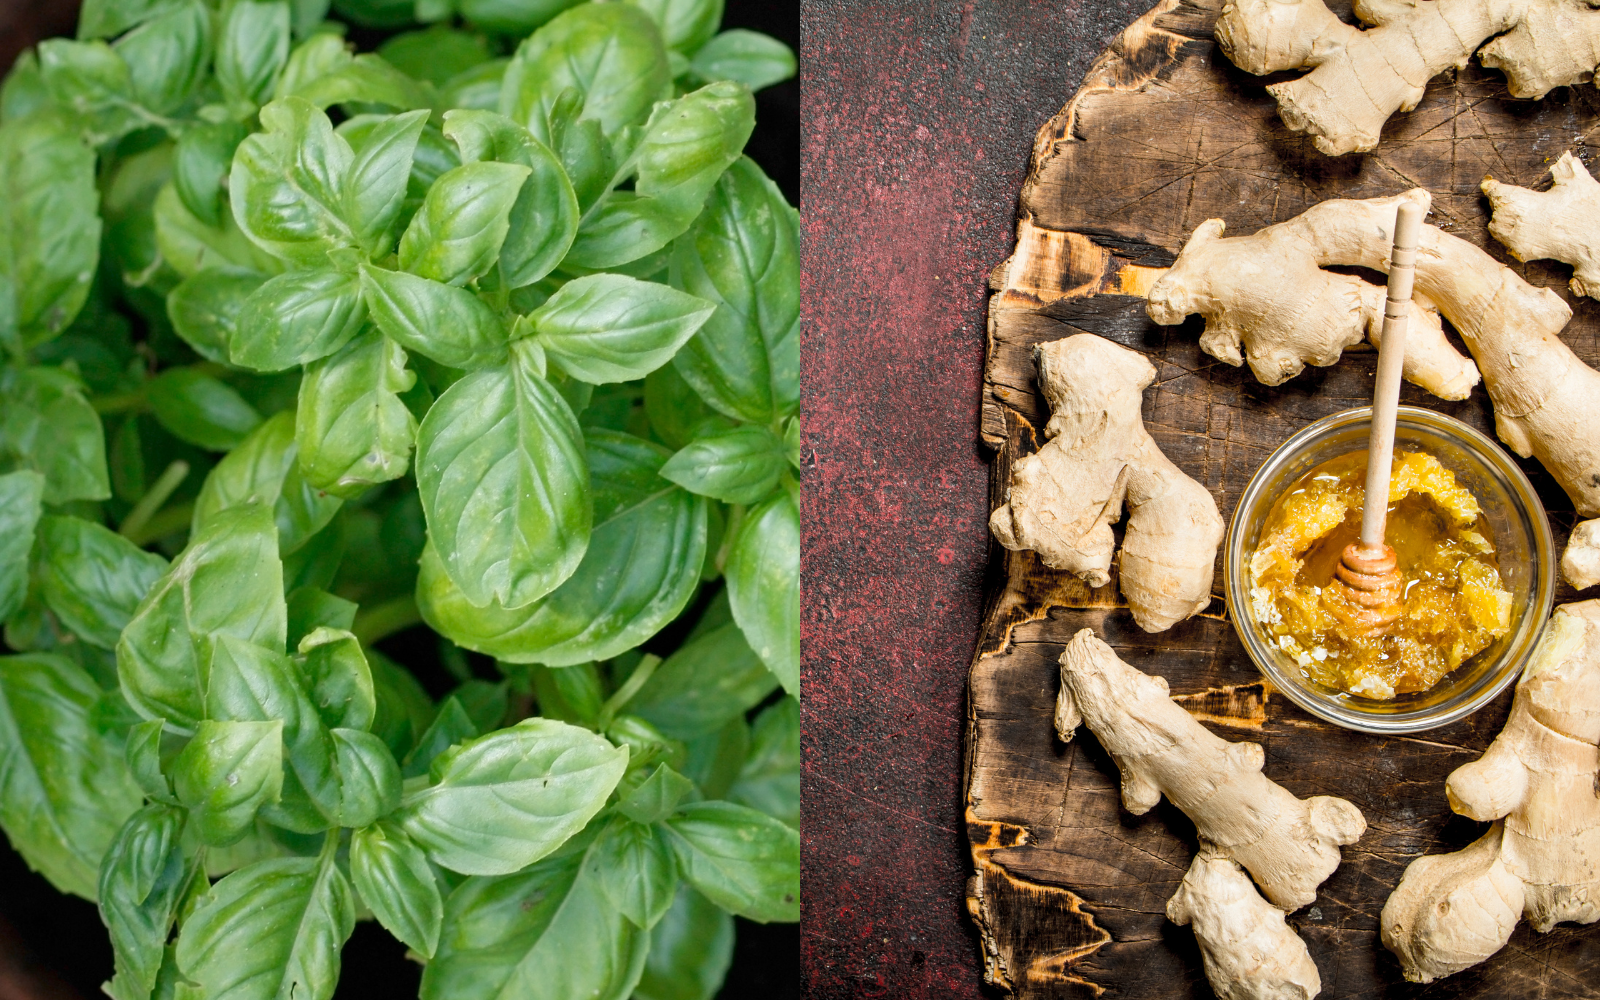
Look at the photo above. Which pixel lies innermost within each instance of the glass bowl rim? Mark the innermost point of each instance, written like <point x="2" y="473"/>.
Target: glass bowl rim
<point x="1542" y="586"/>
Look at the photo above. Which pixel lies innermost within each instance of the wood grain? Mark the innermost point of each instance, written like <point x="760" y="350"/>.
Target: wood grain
<point x="1069" y="890"/>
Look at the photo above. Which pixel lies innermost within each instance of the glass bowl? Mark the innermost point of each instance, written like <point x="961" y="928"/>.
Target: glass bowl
<point x="1521" y="537"/>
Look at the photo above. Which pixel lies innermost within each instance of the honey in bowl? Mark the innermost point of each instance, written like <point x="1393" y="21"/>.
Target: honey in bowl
<point x="1454" y="604"/>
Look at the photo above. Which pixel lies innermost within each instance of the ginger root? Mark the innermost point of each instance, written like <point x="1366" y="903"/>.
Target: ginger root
<point x="1064" y="499"/>
<point x="1268" y="292"/>
<point x="1562" y="223"/>
<point x="1359" y="78"/>
<point x="1541" y="858"/>
<point x="1580" y="563"/>
<point x="1288" y="845"/>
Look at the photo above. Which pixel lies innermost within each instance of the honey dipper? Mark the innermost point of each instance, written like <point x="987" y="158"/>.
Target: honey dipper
<point x="1368" y="572"/>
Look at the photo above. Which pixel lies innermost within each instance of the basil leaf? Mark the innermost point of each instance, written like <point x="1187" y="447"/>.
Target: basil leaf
<point x="503" y="801"/>
<point x="375" y="188"/>
<point x="49" y="227"/>
<point x="92" y="578"/>
<point x="263" y="470"/>
<point x="657" y="797"/>
<point x="737" y="466"/>
<point x="404" y="708"/>
<point x="311" y="608"/>
<point x="143" y="878"/>
<point x="252" y="47"/>
<point x="297" y="318"/>
<point x="199" y="409"/>
<point x="167" y="56"/>
<point x="571" y="694"/>
<point x="744" y="861"/>
<point x="611" y="54"/>
<point x="763" y="574"/>
<point x="65" y="790"/>
<point x="368" y="778"/>
<point x="477" y="88"/>
<point x="142" y="752"/>
<point x="715" y="759"/>
<point x="504" y="485"/>
<point x="286" y="182"/>
<point x="641" y="568"/>
<point x="271" y="929"/>
<point x="585" y="152"/>
<point x="338" y="678"/>
<point x="451" y="726"/>
<point x="190" y="246"/>
<point x="90" y="83"/>
<point x="457" y="234"/>
<point x="511" y="17"/>
<point x="47" y="426"/>
<point x="366" y="79"/>
<point x="436" y="54"/>
<point x="547" y="933"/>
<point x="108" y="18"/>
<point x="685" y="24"/>
<point x="228" y="582"/>
<point x="205" y="308"/>
<point x="20" y="494"/>
<point x="612" y="328"/>
<point x="711" y="679"/>
<point x="636" y="870"/>
<point x="743" y="254"/>
<point x="748" y="57"/>
<point x="392" y="875"/>
<point x="351" y="425"/>
<point x="676" y="412"/>
<point x="690" y="951"/>
<point x="316" y="57"/>
<point x="770" y="778"/>
<point x="449" y="325"/>
<point x="23" y="91"/>
<point x="226" y="773"/>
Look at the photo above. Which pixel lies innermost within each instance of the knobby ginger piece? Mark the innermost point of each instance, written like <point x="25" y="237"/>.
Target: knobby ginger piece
<point x="1359" y="78"/>
<point x="1537" y="781"/>
<point x="1288" y="845"/>
<point x="1267" y="292"/>
<point x="1562" y="223"/>
<point x="1064" y="499"/>
<point x="1580" y="563"/>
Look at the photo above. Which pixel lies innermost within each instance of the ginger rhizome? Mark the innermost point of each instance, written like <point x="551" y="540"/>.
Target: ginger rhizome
<point x="1537" y="783"/>
<point x="1098" y="456"/>
<point x="1562" y="223"/>
<point x="1360" y="77"/>
<point x="1287" y="844"/>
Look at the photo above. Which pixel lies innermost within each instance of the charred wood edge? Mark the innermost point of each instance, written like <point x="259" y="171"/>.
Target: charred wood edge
<point x="1098" y="262"/>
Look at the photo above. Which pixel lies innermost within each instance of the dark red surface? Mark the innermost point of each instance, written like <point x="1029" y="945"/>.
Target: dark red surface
<point x="918" y="118"/>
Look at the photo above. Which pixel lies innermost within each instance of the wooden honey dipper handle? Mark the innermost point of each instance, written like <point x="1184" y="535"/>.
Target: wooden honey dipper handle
<point x="1368" y="569"/>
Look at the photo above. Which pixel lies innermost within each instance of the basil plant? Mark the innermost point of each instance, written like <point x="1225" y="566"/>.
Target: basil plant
<point x="493" y="330"/>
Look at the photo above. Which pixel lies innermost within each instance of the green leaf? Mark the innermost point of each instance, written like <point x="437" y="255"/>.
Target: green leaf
<point x="190" y="246"/>
<point x="366" y="79"/>
<point x="657" y="797"/>
<point x="205" y="308"/>
<point x="200" y="162"/>
<point x="228" y="582"/>
<point x="503" y="801"/>
<point x="375" y="188"/>
<point x="636" y="870"/>
<point x="744" y="861"/>
<point x="690" y="951"/>
<point x="544" y="218"/>
<point x="252" y="47"/>
<point x="612" y="328"/>
<point x="770" y="778"/>
<point x="167" y="56"/>
<point x="641" y="568"/>
<point x="715" y="759"/>
<point x="287" y="181"/>
<point x="90" y="577"/>
<point x="270" y="930"/>
<point x="199" y="409"/>
<point x="450" y="325"/>
<point x="763" y="574"/>
<point x="49" y="427"/>
<point x="91" y="84"/>
<point x="504" y="485"/>
<point x="404" y="708"/>
<point x="713" y="678"/>
<point x="338" y="678"/>
<point x="263" y="469"/>
<point x="457" y="234"/>
<point x="394" y="879"/>
<point x="477" y="88"/>
<point x="316" y="57"/>
<point x="585" y="152"/>
<point x="685" y="24"/>
<point x="369" y="778"/>
<point x="143" y="879"/>
<point x="228" y="771"/>
<point x="748" y="57"/>
<point x="108" y="18"/>
<point x="435" y="54"/>
<point x="547" y="933"/>
<point x="20" y="494"/>
<point x="312" y="607"/>
<point x="743" y="254"/>
<point x="142" y="751"/>
<point x="611" y="54"/>
<point x="571" y="694"/>
<point x="64" y="789"/>
<point x="49" y="227"/>
<point x="737" y="466"/>
<point x="352" y="427"/>
<point x="451" y="726"/>
<point x="297" y="318"/>
<point x="511" y="17"/>
<point x="676" y="412"/>
<point x="23" y="90"/>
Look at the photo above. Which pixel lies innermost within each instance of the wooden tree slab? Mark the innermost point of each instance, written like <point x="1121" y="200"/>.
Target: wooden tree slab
<point x="1070" y="890"/>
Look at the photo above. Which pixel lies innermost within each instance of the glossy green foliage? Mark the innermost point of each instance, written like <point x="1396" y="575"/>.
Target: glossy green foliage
<point x="744" y="861"/>
<point x="612" y="328"/>
<point x="200" y="409"/>
<point x="264" y="469"/>
<point x="49" y="228"/>
<point x="19" y="516"/>
<point x="393" y="877"/>
<point x="741" y="465"/>
<point x="690" y="951"/>
<point x="226" y="773"/>
<point x="143" y="879"/>
<point x="764" y="585"/>
<point x="611" y="54"/>
<point x="49" y="426"/>
<point x="64" y="788"/>
<point x="92" y="578"/>
<point x="770" y="778"/>
<point x="749" y="57"/>
<point x="352" y="427"/>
